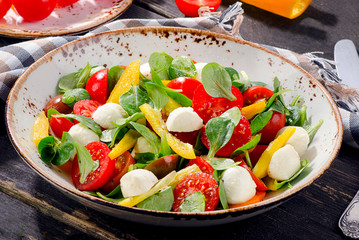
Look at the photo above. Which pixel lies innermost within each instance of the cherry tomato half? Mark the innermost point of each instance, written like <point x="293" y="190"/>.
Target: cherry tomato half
<point x="34" y="10"/>
<point x="190" y="7"/>
<point x="4" y="7"/>
<point x="96" y="179"/>
<point x="187" y="84"/>
<point x="252" y="94"/>
<point x="187" y="137"/>
<point x="59" y="125"/>
<point x="57" y="104"/>
<point x="63" y="3"/>
<point x="256" y="153"/>
<point x="203" y="164"/>
<point x="270" y="130"/>
<point x="122" y="163"/>
<point x="197" y="182"/>
<point x="86" y="107"/>
<point x="241" y="135"/>
<point x="97" y="86"/>
<point x="208" y="107"/>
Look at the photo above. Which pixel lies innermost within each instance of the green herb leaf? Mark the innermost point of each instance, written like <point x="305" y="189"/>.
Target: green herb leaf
<point x="150" y="136"/>
<point x="222" y="163"/>
<point x="113" y="76"/>
<point x="72" y="96"/>
<point x="161" y="201"/>
<point x="160" y="63"/>
<point x="51" y="112"/>
<point x="107" y="198"/>
<point x="260" y="121"/>
<point x="64" y="150"/>
<point x="86" y="163"/>
<point x="194" y="203"/>
<point x="249" y="145"/>
<point x="182" y="66"/>
<point x="75" y="80"/>
<point x="47" y="149"/>
<point x="233" y="114"/>
<point x="88" y="122"/>
<point x="217" y="82"/>
<point x="222" y="195"/>
<point x="165" y="148"/>
<point x="157" y="94"/>
<point x="135" y="97"/>
<point x="180" y="98"/>
<point x="313" y="130"/>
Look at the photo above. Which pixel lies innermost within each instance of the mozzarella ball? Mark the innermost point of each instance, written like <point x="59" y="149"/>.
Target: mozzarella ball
<point x="145" y="69"/>
<point x="83" y="135"/>
<point x="199" y="67"/>
<point x="183" y="119"/>
<point x="238" y="185"/>
<point x="284" y="164"/>
<point x="299" y="140"/>
<point x="136" y="182"/>
<point x="142" y="146"/>
<point x="108" y="113"/>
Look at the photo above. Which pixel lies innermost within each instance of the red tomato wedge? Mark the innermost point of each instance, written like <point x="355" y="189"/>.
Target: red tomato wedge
<point x="253" y="94"/>
<point x="187" y="137"/>
<point x="256" y="153"/>
<point x="59" y="125"/>
<point x="97" y="86"/>
<point x="241" y="135"/>
<point x="122" y="163"/>
<point x="190" y="7"/>
<point x="86" y="107"/>
<point x="4" y="7"/>
<point x="202" y="164"/>
<point x="269" y="132"/>
<point x="208" y="107"/>
<point x="63" y="3"/>
<point x="187" y="84"/>
<point x="34" y="10"/>
<point x="197" y="182"/>
<point x="96" y="179"/>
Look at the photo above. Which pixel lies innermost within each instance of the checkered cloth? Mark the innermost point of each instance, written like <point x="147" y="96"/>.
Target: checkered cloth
<point x="14" y="59"/>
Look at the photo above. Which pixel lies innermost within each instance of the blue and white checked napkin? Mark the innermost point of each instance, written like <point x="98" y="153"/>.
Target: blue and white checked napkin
<point x="14" y="59"/>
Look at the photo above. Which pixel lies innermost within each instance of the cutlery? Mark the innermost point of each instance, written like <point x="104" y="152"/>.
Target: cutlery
<point x="347" y="62"/>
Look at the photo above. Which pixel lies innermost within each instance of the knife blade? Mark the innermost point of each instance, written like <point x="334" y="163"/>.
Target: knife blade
<point x="347" y="62"/>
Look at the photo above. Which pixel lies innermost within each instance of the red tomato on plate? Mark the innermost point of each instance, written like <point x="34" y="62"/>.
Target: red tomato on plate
<point x="63" y="3"/>
<point x="96" y="179"/>
<point x="276" y="123"/>
<point x="86" y="107"/>
<point x="241" y="135"/>
<point x="208" y="107"/>
<point x="187" y="84"/>
<point x="202" y="164"/>
<point x="59" y="125"/>
<point x="197" y="182"/>
<point x="256" y="153"/>
<point x="253" y="94"/>
<point x="190" y="7"/>
<point x="97" y="86"/>
<point x="187" y="137"/>
<point x="34" y="10"/>
<point x="4" y="7"/>
<point x="122" y="163"/>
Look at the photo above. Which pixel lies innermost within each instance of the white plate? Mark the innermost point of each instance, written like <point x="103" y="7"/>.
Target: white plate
<point x="76" y="18"/>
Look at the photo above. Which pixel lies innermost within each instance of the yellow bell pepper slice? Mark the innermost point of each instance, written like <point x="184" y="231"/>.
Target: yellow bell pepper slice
<point x="183" y="173"/>
<point x="131" y="76"/>
<point x="251" y="110"/>
<point x="127" y="142"/>
<point x="161" y="184"/>
<point x="41" y="128"/>
<point x="170" y="106"/>
<point x="154" y="117"/>
<point x="260" y="169"/>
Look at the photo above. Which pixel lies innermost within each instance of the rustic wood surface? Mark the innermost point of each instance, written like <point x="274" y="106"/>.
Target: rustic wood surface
<point x="30" y="208"/>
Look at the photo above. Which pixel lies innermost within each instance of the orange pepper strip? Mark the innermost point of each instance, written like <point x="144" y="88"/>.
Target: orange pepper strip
<point x="131" y="76"/>
<point x="257" y="198"/>
<point x="250" y="111"/>
<point x="154" y="118"/>
<point x="41" y="128"/>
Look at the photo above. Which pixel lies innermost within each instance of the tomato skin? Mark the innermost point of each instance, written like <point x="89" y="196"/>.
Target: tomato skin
<point x="202" y="164"/>
<point x="122" y="163"/>
<point x="97" y="86"/>
<point x="57" y="104"/>
<point x="66" y="167"/>
<point x="196" y="182"/>
<point x="253" y="94"/>
<point x="96" y="179"/>
<point x="241" y="135"/>
<point x="208" y="107"/>
<point x="59" y="125"/>
<point x="190" y="7"/>
<point x="63" y="3"/>
<point x="187" y="84"/>
<point x="4" y="7"/>
<point x="86" y="107"/>
<point x="256" y="153"/>
<point x="187" y="137"/>
<point x="269" y="132"/>
<point x="25" y="9"/>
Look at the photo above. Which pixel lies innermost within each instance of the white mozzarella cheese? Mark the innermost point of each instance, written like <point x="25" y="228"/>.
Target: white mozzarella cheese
<point x="83" y="135"/>
<point x="199" y="67"/>
<point x="183" y="119"/>
<point x="238" y="185"/>
<point x="284" y="164"/>
<point x="136" y="182"/>
<point x="299" y="140"/>
<point x="145" y="69"/>
<point x="107" y="113"/>
<point x="142" y="146"/>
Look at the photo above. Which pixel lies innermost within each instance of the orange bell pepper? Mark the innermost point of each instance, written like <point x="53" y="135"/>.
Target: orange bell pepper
<point x="257" y="198"/>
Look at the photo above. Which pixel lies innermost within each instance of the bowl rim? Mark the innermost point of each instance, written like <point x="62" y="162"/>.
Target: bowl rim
<point x="263" y="204"/>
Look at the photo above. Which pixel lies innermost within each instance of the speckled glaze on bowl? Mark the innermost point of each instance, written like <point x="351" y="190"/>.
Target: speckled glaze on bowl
<point x="38" y="84"/>
<point x="76" y="18"/>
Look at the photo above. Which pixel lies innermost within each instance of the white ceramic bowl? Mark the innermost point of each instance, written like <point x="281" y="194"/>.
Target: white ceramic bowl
<point x="38" y="85"/>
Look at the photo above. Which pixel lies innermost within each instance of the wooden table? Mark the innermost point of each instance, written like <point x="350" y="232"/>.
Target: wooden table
<point x="31" y="208"/>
